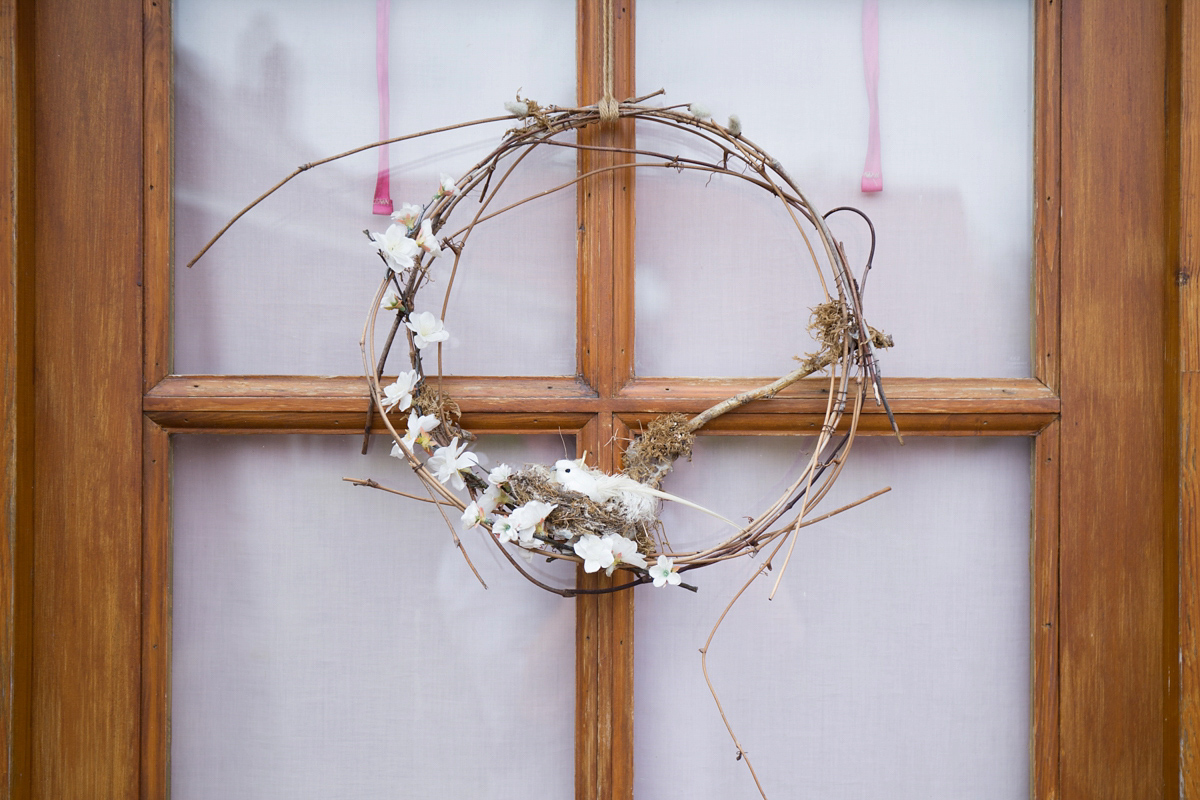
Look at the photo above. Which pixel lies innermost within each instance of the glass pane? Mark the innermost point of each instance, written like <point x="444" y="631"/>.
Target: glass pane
<point x="264" y="86"/>
<point x="330" y="641"/>
<point x="893" y="661"/>
<point x="952" y="272"/>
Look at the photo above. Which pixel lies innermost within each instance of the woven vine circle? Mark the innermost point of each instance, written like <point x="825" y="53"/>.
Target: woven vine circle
<point x="547" y="510"/>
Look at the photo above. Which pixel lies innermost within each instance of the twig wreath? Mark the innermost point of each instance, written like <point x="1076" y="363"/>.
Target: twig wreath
<point x="569" y="510"/>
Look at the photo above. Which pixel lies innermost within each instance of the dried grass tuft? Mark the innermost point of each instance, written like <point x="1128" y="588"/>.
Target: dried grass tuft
<point x="651" y="456"/>
<point x="430" y="400"/>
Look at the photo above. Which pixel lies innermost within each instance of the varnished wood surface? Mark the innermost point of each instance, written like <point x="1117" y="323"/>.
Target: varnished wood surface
<point x="1114" y="284"/>
<point x="1189" y="586"/>
<point x="1044" y="622"/>
<point x="16" y="405"/>
<point x="353" y="422"/>
<point x="158" y="192"/>
<point x="157" y="189"/>
<point x="156" y="613"/>
<point x="283" y="392"/>
<point x="1047" y="199"/>
<point x="1188" y="288"/>
<point x="1044" y="619"/>
<point x="335" y="405"/>
<point x="1111" y="548"/>
<point x="604" y="623"/>
<point x="87" y="168"/>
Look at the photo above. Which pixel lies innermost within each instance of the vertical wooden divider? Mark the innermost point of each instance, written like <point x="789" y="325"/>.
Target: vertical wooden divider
<point x="1188" y="287"/>
<point x="157" y="183"/>
<point x="16" y="400"/>
<point x="1044" y="741"/>
<point x="1114" y="535"/>
<point x="604" y="651"/>
<point x="87" y="476"/>
<point x="1044" y="617"/>
<point x="156" y="614"/>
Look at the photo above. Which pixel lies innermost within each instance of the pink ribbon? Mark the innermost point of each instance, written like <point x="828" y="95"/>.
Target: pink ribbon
<point x="872" y="177"/>
<point x="383" y="188"/>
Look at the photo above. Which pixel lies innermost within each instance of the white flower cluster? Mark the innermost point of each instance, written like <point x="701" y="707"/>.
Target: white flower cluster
<point x="410" y="235"/>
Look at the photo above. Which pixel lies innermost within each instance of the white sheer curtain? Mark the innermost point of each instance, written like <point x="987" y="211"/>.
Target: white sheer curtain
<point x="952" y="270"/>
<point x="263" y="86"/>
<point x="330" y="641"/>
<point x="893" y="661"/>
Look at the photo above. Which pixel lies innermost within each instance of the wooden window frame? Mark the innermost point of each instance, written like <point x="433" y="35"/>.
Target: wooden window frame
<point x="88" y="402"/>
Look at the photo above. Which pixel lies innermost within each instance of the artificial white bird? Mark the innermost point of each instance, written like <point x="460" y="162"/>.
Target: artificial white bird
<point x="637" y="500"/>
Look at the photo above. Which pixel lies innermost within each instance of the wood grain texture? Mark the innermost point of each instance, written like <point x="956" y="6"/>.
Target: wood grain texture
<point x="90" y="481"/>
<point x="1047" y="199"/>
<point x="1044" y="742"/>
<point x="1187" y="26"/>
<point x="1172" y="395"/>
<point x="595" y="197"/>
<point x="1188" y="276"/>
<point x="16" y="402"/>
<point x="1112" y="437"/>
<point x="1189" y="601"/>
<point x="157" y="190"/>
<point x="1044" y="553"/>
<point x="330" y="405"/>
<point x="604" y="660"/>
<point x="156" y="613"/>
<point x="604" y="652"/>
<point x="941" y="395"/>
<point x="87" y="391"/>
<point x="352" y="422"/>
<point x="283" y="392"/>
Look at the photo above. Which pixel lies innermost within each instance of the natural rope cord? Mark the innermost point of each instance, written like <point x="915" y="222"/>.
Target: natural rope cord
<point x="608" y="103"/>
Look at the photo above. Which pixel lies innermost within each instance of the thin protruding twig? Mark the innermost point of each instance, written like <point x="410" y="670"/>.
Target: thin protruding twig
<point x="372" y="484"/>
<point x="319" y="162"/>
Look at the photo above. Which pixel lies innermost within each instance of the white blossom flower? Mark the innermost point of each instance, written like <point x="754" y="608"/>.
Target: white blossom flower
<point x="494" y="497"/>
<point x="418" y="430"/>
<point x="530" y="519"/>
<point x="624" y="551"/>
<point x="499" y="474"/>
<point x="447" y="463"/>
<point x="596" y="553"/>
<point x="427" y="241"/>
<point x="391" y="302"/>
<point x="396" y="247"/>
<point x="398" y="396"/>
<point x="518" y="108"/>
<point x="735" y="125"/>
<point x="664" y="572"/>
<point x="698" y="111"/>
<point x="446" y="187"/>
<point x="407" y="215"/>
<point x="473" y="516"/>
<point x="504" y="530"/>
<point x="426" y="329"/>
<point x="490" y="500"/>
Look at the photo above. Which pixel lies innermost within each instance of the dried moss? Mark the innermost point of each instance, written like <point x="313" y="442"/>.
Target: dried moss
<point x="431" y="401"/>
<point x="829" y="325"/>
<point x="651" y="455"/>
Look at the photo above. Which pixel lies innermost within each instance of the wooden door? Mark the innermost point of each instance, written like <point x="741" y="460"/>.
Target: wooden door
<point x="88" y="402"/>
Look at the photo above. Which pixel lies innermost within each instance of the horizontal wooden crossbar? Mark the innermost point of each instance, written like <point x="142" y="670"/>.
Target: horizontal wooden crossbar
<point x="270" y="404"/>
